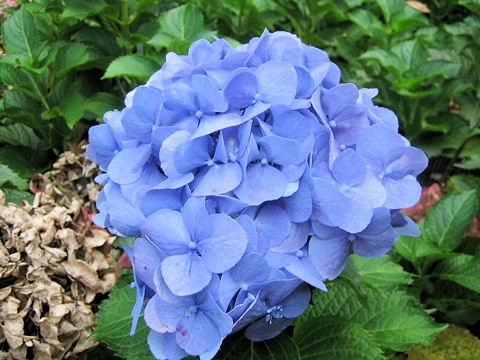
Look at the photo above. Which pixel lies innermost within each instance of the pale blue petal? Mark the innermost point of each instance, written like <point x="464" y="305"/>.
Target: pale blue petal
<point x="185" y="274"/>
<point x="329" y="257"/>
<point x="127" y="166"/>
<point x="402" y="194"/>
<point x="277" y="82"/>
<point x="225" y="246"/>
<point x="209" y="97"/>
<point x="273" y="226"/>
<point x="164" y="346"/>
<point x="209" y="124"/>
<point x="261" y="183"/>
<point x="167" y="230"/>
<point x="219" y="179"/>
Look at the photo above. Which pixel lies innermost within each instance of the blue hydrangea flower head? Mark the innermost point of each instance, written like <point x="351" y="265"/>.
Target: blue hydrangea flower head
<point x="248" y="174"/>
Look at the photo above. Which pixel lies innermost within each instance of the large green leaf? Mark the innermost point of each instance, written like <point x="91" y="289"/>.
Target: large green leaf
<point x="72" y="108"/>
<point x="414" y="248"/>
<point x="449" y="218"/>
<point x="331" y="337"/>
<point x="390" y="7"/>
<point x="7" y="175"/>
<point x="461" y="268"/>
<point x="381" y="272"/>
<point x="80" y="9"/>
<point x="137" y="66"/>
<point x="69" y="57"/>
<point x="22" y="160"/>
<point x="21" y="39"/>
<point x="393" y="318"/>
<point x="238" y="347"/>
<point x="114" y="322"/>
<point x="184" y="22"/>
<point x="20" y="135"/>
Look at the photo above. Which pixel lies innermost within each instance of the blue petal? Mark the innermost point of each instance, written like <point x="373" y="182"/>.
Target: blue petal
<point x="329" y="257"/>
<point x="261" y="183"/>
<point x="305" y="83"/>
<point x="402" y="194"/>
<point x="167" y="230"/>
<point x="277" y="82"/>
<point x="349" y="169"/>
<point x="296" y="239"/>
<point x="282" y="151"/>
<point x="179" y="96"/>
<point x="127" y="166"/>
<point x="336" y="98"/>
<point x="164" y="346"/>
<point x="225" y="246"/>
<point x="209" y="124"/>
<point x="102" y="140"/>
<point x="147" y="257"/>
<point x="168" y="150"/>
<point x="299" y="205"/>
<point x="125" y="218"/>
<point x="351" y="122"/>
<point x="273" y="226"/>
<point x="198" y="334"/>
<point x="261" y="330"/>
<point x="185" y="274"/>
<point x="219" y="179"/>
<point x="210" y="98"/>
<point x="240" y="89"/>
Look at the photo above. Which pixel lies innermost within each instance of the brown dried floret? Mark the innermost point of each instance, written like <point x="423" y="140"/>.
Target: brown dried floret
<point x="53" y="264"/>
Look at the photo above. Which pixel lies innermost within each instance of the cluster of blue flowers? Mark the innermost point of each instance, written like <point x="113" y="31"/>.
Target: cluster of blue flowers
<point x="247" y="174"/>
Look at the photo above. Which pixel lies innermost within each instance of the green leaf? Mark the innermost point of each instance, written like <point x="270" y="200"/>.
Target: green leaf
<point x="434" y="68"/>
<point x="183" y="22"/>
<point x="17" y="196"/>
<point x="20" y="135"/>
<point x="462" y="269"/>
<point x="114" y="322"/>
<point x="332" y="337"/>
<point x="470" y="164"/>
<point x="381" y="272"/>
<point x="72" y="108"/>
<point x="22" y="160"/>
<point x="414" y="248"/>
<point x="70" y="57"/>
<point x="102" y="102"/>
<point x="238" y="347"/>
<point x="21" y="39"/>
<point x="120" y="241"/>
<point x="412" y="53"/>
<point x="448" y="220"/>
<point x="459" y="183"/>
<point x="366" y="21"/>
<point x="393" y="318"/>
<point x="80" y="9"/>
<point x="390" y="7"/>
<point x="7" y="175"/>
<point x="160" y="40"/>
<point x="387" y="59"/>
<point x="137" y="66"/>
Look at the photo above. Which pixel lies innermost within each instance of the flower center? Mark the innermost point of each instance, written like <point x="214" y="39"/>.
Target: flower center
<point x="351" y="237"/>
<point x="275" y="312"/>
<point x="192" y="245"/>
<point x="342" y="147"/>
<point x="198" y="114"/>
<point x="192" y="310"/>
<point x="332" y="123"/>
<point x="299" y="253"/>
<point x="244" y="287"/>
<point x="264" y="162"/>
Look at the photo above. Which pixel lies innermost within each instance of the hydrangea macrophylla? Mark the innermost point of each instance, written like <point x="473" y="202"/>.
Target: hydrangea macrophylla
<point x="249" y="174"/>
